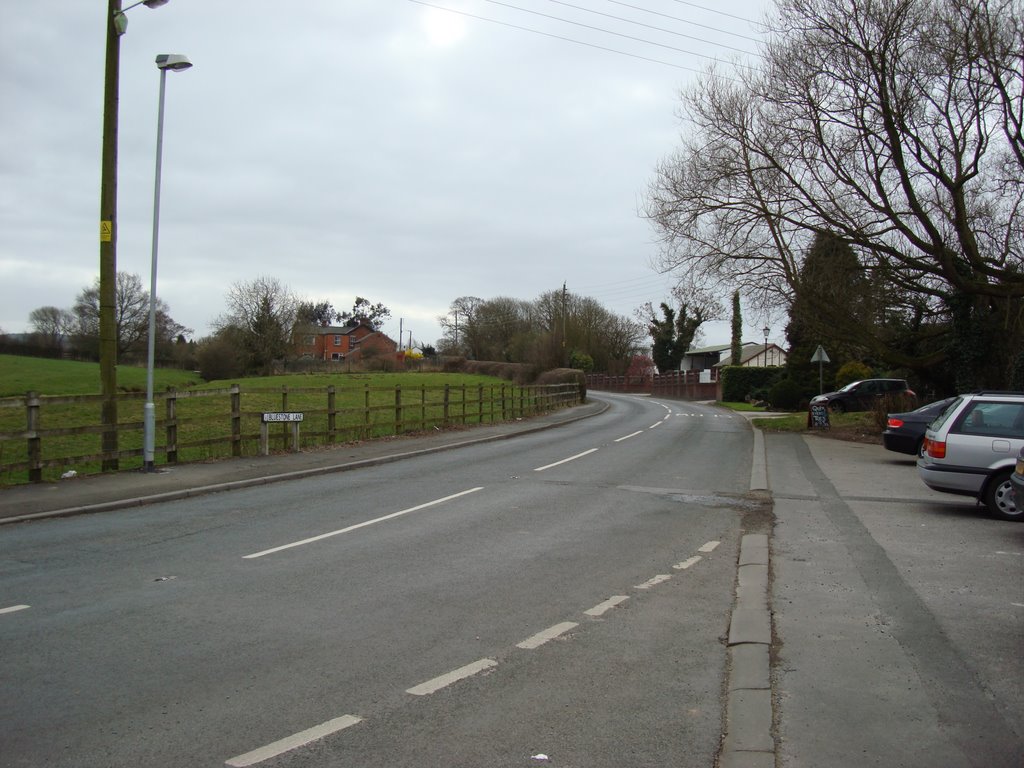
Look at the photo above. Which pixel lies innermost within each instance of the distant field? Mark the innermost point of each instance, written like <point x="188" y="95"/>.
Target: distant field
<point x="19" y="375"/>
<point x="362" y="406"/>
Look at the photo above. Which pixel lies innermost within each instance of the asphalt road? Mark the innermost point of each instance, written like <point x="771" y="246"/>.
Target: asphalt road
<point x="563" y="594"/>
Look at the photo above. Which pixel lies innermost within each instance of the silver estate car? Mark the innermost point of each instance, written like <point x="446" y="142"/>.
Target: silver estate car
<point x="971" y="449"/>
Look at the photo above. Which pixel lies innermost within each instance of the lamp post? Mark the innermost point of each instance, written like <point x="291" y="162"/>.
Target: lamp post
<point x="766" y="331"/>
<point x="175" y="63"/>
<point x="117" y="23"/>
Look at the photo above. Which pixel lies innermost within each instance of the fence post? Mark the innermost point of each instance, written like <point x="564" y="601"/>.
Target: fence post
<point x="284" y="426"/>
<point x="35" y="444"/>
<point x="171" y="401"/>
<point x="444" y="411"/>
<point x="504" y="410"/>
<point x="398" y="409"/>
<point x="366" y="411"/>
<point x="480" y="403"/>
<point x="423" y="406"/>
<point x="331" y="414"/>
<point x="236" y="420"/>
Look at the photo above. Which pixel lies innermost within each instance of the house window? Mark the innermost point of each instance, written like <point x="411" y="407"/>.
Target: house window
<point x="337" y="341"/>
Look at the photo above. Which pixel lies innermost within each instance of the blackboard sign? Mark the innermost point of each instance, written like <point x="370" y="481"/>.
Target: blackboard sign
<point x="819" y="417"/>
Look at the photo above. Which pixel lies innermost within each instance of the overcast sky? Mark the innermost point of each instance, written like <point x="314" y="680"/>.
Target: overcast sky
<point x="381" y="148"/>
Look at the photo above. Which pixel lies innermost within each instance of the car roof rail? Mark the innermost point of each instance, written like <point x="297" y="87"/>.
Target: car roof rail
<point x="998" y="392"/>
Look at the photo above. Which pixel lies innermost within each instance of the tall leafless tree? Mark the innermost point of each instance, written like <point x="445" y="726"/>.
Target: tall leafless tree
<point x="894" y="124"/>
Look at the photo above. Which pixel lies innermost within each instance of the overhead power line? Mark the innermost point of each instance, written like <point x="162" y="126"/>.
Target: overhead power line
<point x="641" y="24"/>
<point x="691" y="22"/>
<point x="568" y="39"/>
<point x="607" y="31"/>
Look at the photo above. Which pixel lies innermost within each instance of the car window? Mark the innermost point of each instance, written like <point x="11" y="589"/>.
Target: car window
<point x="992" y="419"/>
<point x="943" y="417"/>
<point x="849" y="387"/>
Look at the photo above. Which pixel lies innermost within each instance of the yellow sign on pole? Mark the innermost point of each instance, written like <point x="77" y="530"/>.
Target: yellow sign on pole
<point x="106" y="231"/>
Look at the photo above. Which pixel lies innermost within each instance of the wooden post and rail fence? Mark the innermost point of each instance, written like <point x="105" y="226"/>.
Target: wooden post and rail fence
<point x="42" y="436"/>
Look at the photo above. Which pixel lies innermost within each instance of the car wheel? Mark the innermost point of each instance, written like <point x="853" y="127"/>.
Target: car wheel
<point x="837" y="407"/>
<point x="999" y="498"/>
<point x="920" y="447"/>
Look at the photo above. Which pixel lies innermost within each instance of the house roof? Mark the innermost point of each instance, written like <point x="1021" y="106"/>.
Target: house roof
<point x="750" y="350"/>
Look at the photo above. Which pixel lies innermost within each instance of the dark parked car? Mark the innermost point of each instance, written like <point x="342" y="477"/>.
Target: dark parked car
<point x="904" y="432"/>
<point x="862" y="395"/>
<point x="1017" y="481"/>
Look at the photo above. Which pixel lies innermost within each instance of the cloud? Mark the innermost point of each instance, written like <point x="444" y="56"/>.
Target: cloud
<point x="387" y="150"/>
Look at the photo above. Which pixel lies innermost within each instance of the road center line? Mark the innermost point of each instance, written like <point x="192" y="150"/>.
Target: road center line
<point x="626" y="437"/>
<point x="364" y="524"/>
<point x="656" y="424"/>
<point x="687" y="563"/>
<point x="14" y="608"/>
<point x="565" y="461"/>
<point x="544" y="636"/>
<point x="709" y="547"/>
<point x="293" y="742"/>
<point x="654" y="582"/>
<point x="602" y="608"/>
<point x="432" y="686"/>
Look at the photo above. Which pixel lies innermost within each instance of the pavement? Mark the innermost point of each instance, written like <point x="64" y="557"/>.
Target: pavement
<point x="766" y="705"/>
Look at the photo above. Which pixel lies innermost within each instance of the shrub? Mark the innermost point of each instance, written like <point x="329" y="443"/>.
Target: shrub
<point x="852" y="371"/>
<point x="785" y="394"/>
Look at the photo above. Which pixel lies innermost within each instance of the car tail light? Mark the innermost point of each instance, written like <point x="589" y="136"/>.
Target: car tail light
<point x="934" y="448"/>
<point x="910" y="392"/>
<point x="894" y="423"/>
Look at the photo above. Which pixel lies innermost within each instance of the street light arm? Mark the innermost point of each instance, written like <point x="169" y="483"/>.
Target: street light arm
<point x="121" y="21"/>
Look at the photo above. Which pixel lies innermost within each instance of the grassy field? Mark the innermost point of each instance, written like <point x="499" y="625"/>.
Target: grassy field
<point x="19" y="375"/>
<point x="365" y="405"/>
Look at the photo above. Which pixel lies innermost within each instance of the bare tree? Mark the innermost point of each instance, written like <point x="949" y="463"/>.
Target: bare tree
<point x="895" y="125"/>
<point x="131" y="313"/>
<point x="260" y="319"/>
<point x="52" y="324"/>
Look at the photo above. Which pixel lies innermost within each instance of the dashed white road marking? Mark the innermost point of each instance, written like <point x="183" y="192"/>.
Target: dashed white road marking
<point x="293" y="742"/>
<point x="443" y="681"/>
<point x="602" y="608"/>
<point x="546" y="635"/>
<point x="709" y="547"/>
<point x="15" y="608"/>
<point x="655" y="424"/>
<point x="654" y="582"/>
<point x="361" y="525"/>
<point x="565" y="461"/>
<point x="687" y="563"/>
<point x="632" y="434"/>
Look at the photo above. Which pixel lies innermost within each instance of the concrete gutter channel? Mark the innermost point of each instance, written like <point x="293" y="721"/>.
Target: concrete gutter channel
<point x="748" y="741"/>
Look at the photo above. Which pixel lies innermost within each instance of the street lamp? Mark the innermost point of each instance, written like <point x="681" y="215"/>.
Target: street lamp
<point x="175" y="63"/>
<point x="766" y="331"/>
<point x="116" y="26"/>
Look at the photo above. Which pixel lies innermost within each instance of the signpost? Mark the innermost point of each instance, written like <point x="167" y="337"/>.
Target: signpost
<point x="820" y="357"/>
<point x="279" y="417"/>
<point x="818" y="417"/>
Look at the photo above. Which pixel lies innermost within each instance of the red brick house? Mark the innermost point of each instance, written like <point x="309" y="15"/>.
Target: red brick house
<point x="346" y="342"/>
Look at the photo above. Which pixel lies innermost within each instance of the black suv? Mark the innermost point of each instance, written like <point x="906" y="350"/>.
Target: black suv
<point x="862" y="395"/>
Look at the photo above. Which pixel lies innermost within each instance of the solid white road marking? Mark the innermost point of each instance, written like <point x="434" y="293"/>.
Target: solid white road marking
<point x="687" y="563"/>
<point x="431" y="686"/>
<point x="626" y="437"/>
<point x="550" y="633"/>
<point x="654" y="582"/>
<point x="361" y="525"/>
<point x="293" y="742"/>
<point x="602" y="608"/>
<point x="565" y="461"/>
<point x="14" y="608"/>
<point x="709" y="547"/>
